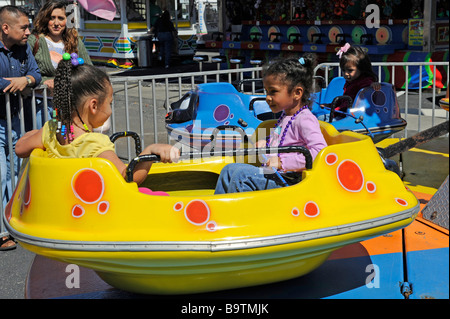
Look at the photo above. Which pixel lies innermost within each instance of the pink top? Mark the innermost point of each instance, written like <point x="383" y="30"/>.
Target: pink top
<point x="303" y="131"/>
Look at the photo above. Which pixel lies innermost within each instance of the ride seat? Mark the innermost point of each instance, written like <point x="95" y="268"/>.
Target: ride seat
<point x="200" y="59"/>
<point x="219" y="59"/>
<point x="381" y="104"/>
<point x="275" y="36"/>
<point x="331" y="135"/>
<point x="334" y="88"/>
<point x="218" y="87"/>
<point x="296" y="37"/>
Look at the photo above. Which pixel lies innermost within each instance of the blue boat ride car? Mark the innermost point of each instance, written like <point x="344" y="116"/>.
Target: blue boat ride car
<point x="218" y="111"/>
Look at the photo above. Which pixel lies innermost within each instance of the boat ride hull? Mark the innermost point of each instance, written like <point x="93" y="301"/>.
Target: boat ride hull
<point x="82" y="211"/>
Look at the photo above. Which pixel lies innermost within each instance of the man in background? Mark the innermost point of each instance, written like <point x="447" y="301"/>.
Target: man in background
<point x="18" y="71"/>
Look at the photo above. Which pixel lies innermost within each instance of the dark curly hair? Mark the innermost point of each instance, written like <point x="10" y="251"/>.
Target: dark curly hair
<point x="73" y="85"/>
<point x="292" y="73"/>
<point x="360" y="59"/>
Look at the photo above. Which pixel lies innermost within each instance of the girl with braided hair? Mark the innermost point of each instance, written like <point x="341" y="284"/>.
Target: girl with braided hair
<point x="288" y="83"/>
<point x="82" y="100"/>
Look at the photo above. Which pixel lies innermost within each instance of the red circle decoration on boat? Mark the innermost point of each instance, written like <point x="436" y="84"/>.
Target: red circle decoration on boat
<point x="77" y="211"/>
<point x="295" y="211"/>
<point x="311" y="209"/>
<point x="331" y="159"/>
<point x="350" y="176"/>
<point x="103" y="207"/>
<point x="401" y="201"/>
<point x="88" y="185"/>
<point x="211" y="226"/>
<point x="197" y="212"/>
<point x="178" y="206"/>
<point x="371" y="187"/>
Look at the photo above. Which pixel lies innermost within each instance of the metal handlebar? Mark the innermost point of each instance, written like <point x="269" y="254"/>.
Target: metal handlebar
<point x="219" y="128"/>
<point x="334" y="104"/>
<point x="252" y="102"/>
<point x="134" y="135"/>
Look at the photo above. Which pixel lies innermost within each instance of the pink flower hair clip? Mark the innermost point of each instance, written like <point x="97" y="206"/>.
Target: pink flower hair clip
<point x="343" y="49"/>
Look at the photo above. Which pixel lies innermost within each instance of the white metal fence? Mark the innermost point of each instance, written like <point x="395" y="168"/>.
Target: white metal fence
<point x="140" y="104"/>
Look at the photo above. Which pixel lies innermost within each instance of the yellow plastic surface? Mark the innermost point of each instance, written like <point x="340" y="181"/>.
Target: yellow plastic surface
<point x="88" y="201"/>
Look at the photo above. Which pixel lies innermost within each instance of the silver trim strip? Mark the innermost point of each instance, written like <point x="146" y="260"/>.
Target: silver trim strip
<point x="212" y="246"/>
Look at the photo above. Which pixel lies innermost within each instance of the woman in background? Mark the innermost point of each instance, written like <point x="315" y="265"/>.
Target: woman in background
<point x="49" y="40"/>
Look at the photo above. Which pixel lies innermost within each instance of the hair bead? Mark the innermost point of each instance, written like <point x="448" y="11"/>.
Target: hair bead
<point x="66" y="56"/>
<point x="74" y="59"/>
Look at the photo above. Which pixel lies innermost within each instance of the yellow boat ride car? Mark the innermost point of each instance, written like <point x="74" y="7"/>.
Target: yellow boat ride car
<point x="82" y="211"/>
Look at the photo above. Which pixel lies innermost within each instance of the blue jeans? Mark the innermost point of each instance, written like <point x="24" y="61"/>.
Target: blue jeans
<point x="40" y="116"/>
<point x="237" y="177"/>
<point x="165" y="46"/>
<point x="6" y="173"/>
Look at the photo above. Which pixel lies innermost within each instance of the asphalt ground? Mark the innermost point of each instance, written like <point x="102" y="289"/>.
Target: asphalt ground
<point x="15" y="264"/>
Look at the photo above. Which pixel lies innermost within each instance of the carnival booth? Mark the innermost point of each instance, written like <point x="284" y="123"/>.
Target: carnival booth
<point x="394" y="30"/>
<point x="121" y="37"/>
